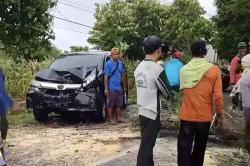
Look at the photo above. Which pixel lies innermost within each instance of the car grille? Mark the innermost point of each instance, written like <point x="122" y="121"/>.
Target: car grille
<point x="60" y="92"/>
<point x="59" y="98"/>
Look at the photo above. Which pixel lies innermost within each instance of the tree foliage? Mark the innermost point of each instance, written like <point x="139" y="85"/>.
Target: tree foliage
<point x="25" y="27"/>
<point x="233" y="25"/>
<point x="186" y="23"/>
<point x="120" y="23"/>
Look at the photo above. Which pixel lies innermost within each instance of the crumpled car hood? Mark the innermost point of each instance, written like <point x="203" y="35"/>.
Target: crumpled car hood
<point x="74" y="75"/>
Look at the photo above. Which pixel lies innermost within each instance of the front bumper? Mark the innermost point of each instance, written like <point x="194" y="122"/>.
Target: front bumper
<point x="60" y="101"/>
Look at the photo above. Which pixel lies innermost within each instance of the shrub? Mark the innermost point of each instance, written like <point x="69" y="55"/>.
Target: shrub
<point x="19" y="74"/>
<point x="131" y="66"/>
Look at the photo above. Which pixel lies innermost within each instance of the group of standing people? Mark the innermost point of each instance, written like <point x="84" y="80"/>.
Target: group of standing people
<point x="201" y="84"/>
<point x="199" y="80"/>
<point x="240" y="81"/>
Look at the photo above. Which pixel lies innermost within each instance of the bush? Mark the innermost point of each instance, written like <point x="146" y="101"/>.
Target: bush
<point x="19" y="74"/>
<point x="131" y="66"/>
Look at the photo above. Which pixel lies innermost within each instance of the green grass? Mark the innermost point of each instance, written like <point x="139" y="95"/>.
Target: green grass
<point x="21" y="119"/>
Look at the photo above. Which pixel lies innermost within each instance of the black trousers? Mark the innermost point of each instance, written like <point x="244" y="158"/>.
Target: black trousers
<point x="189" y="133"/>
<point x="149" y="131"/>
<point x="3" y="126"/>
<point x="235" y="100"/>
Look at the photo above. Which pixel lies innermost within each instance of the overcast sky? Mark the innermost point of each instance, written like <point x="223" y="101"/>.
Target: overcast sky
<point x="68" y="34"/>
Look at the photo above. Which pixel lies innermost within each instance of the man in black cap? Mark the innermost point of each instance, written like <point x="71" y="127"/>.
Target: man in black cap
<point x="150" y="81"/>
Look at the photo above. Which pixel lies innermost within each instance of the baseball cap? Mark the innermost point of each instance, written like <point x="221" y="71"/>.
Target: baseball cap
<point x="242" y="44"/>
<point x="151" y="43"/>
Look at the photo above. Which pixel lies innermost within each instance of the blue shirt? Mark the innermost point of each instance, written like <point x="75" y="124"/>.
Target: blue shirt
<point x="5" y="100"/>
<point x="172" y="70"/>
<point x="116" y="79"/>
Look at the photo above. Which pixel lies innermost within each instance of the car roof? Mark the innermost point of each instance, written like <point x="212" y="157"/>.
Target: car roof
<point x="104" y="53"/>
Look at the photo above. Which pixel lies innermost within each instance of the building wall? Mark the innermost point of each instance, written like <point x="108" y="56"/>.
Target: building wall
<point x="211" y="54"/>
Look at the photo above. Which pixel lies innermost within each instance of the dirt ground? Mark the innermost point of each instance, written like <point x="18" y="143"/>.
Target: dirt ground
<point x="57" y="143"/>
<point x="63" y="144"/>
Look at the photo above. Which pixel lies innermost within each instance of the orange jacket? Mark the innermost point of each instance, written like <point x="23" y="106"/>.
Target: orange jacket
<point x="197" y="103"/>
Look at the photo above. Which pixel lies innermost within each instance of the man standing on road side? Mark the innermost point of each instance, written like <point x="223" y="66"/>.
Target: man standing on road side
<point x="172" y="67"/>
<point x="113" y="80"/>
<point x="150" y="81"/>
<point x="236" y="62"/>
<point x="202" y="86"/>
<point x="235" y="69"/>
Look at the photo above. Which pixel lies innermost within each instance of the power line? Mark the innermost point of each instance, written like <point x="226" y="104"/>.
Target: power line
<point x="58" y="11"/>
<point x="76" y="4"/>
<point x="76" y="7"/>
<point x="73" y="22"/>
<point x="71" y="30"/>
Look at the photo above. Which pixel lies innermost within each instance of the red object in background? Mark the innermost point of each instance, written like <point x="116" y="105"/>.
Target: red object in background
<point x="234" y="76"/>
<point x="177" y="55"/>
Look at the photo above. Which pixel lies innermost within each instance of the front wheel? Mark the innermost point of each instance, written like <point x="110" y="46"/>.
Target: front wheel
<point x="102" y="113"/>
<point x="40" y="114"/>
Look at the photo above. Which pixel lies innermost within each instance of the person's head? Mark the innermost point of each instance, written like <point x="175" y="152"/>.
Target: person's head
<point x="152" y="47"/>
<point x="115" y="54"/>
<point x="242" y="49"/>
<point x="177" y="55"/>
<point x="198" y="49"/>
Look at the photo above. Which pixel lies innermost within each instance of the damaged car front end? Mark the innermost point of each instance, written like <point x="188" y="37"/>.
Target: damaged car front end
<point x="73" y="83"/>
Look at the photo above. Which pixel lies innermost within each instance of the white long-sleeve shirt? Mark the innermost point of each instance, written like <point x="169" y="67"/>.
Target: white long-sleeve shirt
<point x="151" y="81"/>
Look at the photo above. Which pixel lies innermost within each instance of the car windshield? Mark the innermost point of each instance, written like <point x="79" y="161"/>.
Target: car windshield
<point x="76" y="61"/>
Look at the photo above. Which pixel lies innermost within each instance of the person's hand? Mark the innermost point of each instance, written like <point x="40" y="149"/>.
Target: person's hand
<point x="106" y="92"/>
<point x="219" y="120"/>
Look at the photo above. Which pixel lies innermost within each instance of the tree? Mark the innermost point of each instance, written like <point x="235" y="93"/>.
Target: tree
<point x="44" y="53"/>
<point x="122" y="23"/>
<point x="114" y="24"/>
<point x="185" y="24"/>
<point x="25" y="27"/>
<point x="78" y="48"/>
<point x="233" y="25"/>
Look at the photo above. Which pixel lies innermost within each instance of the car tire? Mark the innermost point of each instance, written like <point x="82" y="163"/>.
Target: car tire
<point x="102" y="113"/>
<point x="40" y="114"/>
<point x="29" y="104"/>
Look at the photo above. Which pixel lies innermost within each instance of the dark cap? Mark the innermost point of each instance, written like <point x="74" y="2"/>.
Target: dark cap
<point x="151" y="44"/>
<point x="198" y="48"/>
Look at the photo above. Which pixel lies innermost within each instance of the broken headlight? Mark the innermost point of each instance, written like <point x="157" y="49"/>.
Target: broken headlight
<point x="36" y="85"/>
<point x="88" y="80"/>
